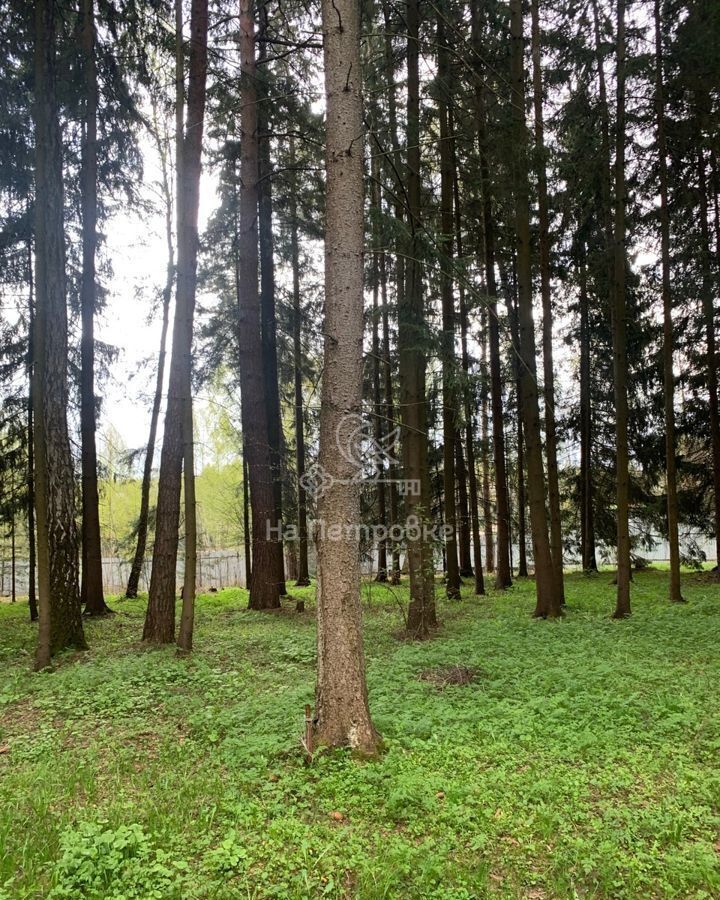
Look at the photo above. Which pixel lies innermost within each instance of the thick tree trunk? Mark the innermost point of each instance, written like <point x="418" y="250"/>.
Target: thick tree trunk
<point x="709" y="316"/>
<point x="160" y="618"/>
<point x="60" y="618"/>
<point x="189" y="162"/>
<point x="587" y="519"/>
<point x="187" y="616"/>
<point x="556" y="543"/>
<point x="267" y="291"/>
<point x="548" y="602"/>
<point x="503" y="576"/>
<point x="668" y="338"/>
<point x="91" y="589"/>
<point x="342" y="715"/>
<point x="622" y="475"/>
<point x="449" y="374"/>
<point x="303" y="576"/>
<point x="412" y="339"/>
<point x="264" y="586"/>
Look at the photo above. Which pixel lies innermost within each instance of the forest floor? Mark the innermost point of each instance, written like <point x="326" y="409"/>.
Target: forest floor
<point x="580" y="759"/>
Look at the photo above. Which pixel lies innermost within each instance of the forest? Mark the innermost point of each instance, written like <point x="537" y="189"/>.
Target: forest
<point x="359" y="449"/>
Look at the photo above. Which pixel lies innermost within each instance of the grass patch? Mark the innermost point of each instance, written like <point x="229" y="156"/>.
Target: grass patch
<point x="576" y="758"/>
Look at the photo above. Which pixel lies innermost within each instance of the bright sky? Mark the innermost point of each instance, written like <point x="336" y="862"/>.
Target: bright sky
<point x="131" y="321"/>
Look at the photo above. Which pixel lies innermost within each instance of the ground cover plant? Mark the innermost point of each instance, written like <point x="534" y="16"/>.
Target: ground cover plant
<point x="521" y="759"/>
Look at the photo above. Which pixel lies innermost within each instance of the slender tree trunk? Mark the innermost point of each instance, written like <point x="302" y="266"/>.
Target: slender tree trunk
<point x="303" y="576"/>
<point x="449" y="377"/>
<point x="264" y="587"/>
<point x="622" y="608"/>
<point x="709" y="316"/>
<point x="267" y="290"/>
<point x="60" y="618"/>
<point x="160" y="618"/>
<point x="556" y="543"/>
<point x="472" y="505"/>
<point x="246" y="524"/>
<point x="462" y="512"/>
<point x="91" y="589"/>
<point x="144" y="516"/>
<point x="548" y="602"/>
<point x="412" y="339"/>
<point x="587" y="525"/>
<point x="342" y="715"/>
<point x="13" y="582"/>
<point x="32" y="595"/>
<point x="376" y="200"/>
<point x="394" y="571"/>
<point x="189" y="158"/>
<point x="503" y="575"/>
<point x="399" y="287"/>
<point x="668" y="338"/>
<point x="187" y="616"/>
<point x="521" y="493"/>
<point x="485" y="448"/>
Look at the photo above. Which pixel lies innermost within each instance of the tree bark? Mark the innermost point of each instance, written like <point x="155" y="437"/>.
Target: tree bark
<point x="267" y="290"/>
<point x="160" y="619"/>
<point x="411" y="344"/>
<point x="60" y="618"/>
<point x="449" y="376"/>
<point x="187" y="615"/>
<point x="264" y="586"/>
<point x="548" y="603"/>
<point x="91" y="586"/>
<point x="342" y="715"/>
<point x="190" y="159"/>
<point x="303" y="575"/>
<point x="556" y="543"/>
<point x="622" y="607"/>
<point x="668" y="337"/>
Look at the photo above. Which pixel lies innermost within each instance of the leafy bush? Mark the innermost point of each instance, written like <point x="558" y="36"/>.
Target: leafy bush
<point x="114" y="864"/>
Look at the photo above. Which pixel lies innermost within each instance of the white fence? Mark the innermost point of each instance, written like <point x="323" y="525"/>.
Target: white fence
<point x="226" y="568"/>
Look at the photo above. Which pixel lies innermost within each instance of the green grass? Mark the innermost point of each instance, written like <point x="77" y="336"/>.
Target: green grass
<point x="582" y="761"/>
